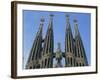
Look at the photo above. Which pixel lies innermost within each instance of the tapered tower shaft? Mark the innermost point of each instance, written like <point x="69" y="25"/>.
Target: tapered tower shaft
<point x="81" y="59"/>
<point x="47" y="53"/>
<point x="35" y="53"/>
<point x="69" y="45"/>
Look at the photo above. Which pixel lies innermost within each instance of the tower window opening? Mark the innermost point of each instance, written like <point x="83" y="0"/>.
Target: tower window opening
<point x="30" y="67"/>
<point x="76" y="64"/>
<point x="71" y="61"/>
<point x="45" y="62"/>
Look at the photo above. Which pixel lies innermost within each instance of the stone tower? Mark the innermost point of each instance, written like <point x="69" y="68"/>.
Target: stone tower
<point x="69" y="45"/>
<point x="47" y="53"/>
<point x="35" y="53"/>
<point x="80" y="55"/>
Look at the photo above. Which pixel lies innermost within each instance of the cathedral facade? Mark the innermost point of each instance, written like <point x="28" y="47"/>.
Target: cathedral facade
<point x="42" y="51"/>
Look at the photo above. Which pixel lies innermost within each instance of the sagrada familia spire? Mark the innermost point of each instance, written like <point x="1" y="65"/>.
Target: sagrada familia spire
<point x="47" y="53"/>
<point x="36" y="50"/>
<point x="69" y="45"/>
<point x="80" y="55"/>
<point x="42" y="51"/>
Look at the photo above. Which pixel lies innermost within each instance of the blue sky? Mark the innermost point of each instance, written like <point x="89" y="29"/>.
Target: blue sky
<point x="31" y="22"/>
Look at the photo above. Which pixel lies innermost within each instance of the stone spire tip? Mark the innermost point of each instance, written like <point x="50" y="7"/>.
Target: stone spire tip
<point x="67" y="17"/>
<point x="42" y="19"/>
<point x="51" y="15"/>
<point x="75" y="20"/>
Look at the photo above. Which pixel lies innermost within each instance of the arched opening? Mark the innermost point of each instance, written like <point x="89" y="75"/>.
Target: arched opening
<point x="38" y="66"/>
<point x="30" y="67"/>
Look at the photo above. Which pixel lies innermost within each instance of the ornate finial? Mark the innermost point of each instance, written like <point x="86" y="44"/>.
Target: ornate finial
<point x="67" y="16"/>
<point x="51" y="19"/>
<point x="67" y="21"/>
<point x="51" y="15"/>
<point x="76" y="27"/>
<point x="75" y="20"/>
<point x="41" y="25"/>
<point x="42" y="19"/>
